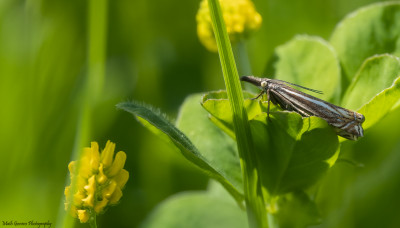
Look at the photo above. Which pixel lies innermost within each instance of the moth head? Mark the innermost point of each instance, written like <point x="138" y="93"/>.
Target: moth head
<point x="264" y="84"/>
<point x="253" y="80"/>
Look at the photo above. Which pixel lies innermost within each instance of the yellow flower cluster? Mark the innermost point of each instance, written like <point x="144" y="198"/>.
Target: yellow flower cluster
<point x="96" y="181"/>
<point x="240" y="18"/>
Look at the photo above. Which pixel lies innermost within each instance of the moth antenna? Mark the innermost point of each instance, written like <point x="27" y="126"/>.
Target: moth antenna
<point x="309" y="89"/>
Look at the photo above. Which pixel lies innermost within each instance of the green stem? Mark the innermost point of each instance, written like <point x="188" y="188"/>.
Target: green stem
<point x="97" y="47"/>
<point x="272" y="223"/>
<point x="92" y="220"/>
<point x="254" y="200"/>
<point x="97" y="55"/>
<point x="242" y="59"/>
<point x="243" y="64"/>
<point x="97" y="23"/>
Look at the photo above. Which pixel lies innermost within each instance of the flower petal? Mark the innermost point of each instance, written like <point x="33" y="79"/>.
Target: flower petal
<point x="108" y="154"/>
<point x="109" y="190"/>
<point x="101" y="205"/>
<point x="101" y="177"/>
<point x="95" y="156"/>
<point x="116" y="196"/>
<point x="118" y="164"/>
<point x="83" y="216"/>
<point x="90" y="189"/>
<point x="122" y="178"/>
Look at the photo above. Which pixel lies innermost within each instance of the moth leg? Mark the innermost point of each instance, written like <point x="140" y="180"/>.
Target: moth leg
<point x="259" y="95"/>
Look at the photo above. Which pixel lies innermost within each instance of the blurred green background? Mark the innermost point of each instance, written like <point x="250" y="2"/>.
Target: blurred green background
<point x="152" y="54"/>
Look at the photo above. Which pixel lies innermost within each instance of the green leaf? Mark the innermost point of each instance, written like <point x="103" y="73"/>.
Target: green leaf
<point x="159" y="125"/>
<point x="375" y="88"/>
<point x="213" y="144"/>
<point x="295" y="152"/>
<point x="295" y="210"/>
<point x="376" y="74"/>
<point x="381" y="104"/>
<point x="311" y="62"/>
<point x="368" y="31"/>
<point x="217" y="105"/>
<point x="196" y="210"/>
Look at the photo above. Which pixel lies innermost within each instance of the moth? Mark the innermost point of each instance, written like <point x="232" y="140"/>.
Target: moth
<point x="347" y="123"/>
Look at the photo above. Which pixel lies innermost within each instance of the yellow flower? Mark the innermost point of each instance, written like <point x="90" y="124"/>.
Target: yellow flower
<point x="83" y="215"/>
<point x="97" y="180"/>
<point x="240" y="18"/>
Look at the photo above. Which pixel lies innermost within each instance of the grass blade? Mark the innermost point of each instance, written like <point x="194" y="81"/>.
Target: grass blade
<point x="255" y="204"/>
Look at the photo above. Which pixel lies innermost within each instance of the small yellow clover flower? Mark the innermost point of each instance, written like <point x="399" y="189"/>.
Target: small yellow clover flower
<point x="97" y="182"/>
<point x="240" y="18"/>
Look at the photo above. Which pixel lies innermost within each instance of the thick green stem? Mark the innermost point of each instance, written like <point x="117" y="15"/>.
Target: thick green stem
<point x="254" y="201"/>
<point x="243" y="64"/>
<point x="242" y="59"/>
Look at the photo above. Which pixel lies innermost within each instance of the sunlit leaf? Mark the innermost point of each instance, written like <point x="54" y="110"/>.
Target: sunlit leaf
<point x="375" y="90"/>
<point x="308" y="61"/>
<point x="196" y="210"/>
<point x="217" y="147"/>
<point x="381" y="104"/>
<point x="159" y="125"/>
<point x="368" y="31"/>
<point x="217" y="105"/>
<point x="294" y="151"/>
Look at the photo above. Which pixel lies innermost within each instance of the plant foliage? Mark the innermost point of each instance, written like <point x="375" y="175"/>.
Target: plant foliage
<point x="358" y="68"/>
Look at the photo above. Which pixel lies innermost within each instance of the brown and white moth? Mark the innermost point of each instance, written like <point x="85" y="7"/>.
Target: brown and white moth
<point x="347" y="123"/>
